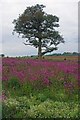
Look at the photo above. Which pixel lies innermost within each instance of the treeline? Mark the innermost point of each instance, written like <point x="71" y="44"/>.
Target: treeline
<point x="54" y="54"/>
<point x="65" y="54"/>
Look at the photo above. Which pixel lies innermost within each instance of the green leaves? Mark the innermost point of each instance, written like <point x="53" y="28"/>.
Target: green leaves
<point x="24" y="107"/>
<point x="34" y="24"/>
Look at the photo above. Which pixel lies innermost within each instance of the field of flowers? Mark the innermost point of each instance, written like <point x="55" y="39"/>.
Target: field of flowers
<point x="40" y="88"/>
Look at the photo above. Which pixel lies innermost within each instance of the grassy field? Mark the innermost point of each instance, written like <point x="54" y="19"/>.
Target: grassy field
<point x="61" y="58"/>
<point x="40" y="88"/>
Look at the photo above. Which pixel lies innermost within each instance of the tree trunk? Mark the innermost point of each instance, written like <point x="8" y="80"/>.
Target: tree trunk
<point x="39" y="49"/>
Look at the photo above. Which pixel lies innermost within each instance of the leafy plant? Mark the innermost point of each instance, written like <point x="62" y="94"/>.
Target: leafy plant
<point x="32" y="107"/>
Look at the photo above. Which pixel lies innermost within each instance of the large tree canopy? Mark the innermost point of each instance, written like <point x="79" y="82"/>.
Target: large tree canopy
<point x="38" y="28"/>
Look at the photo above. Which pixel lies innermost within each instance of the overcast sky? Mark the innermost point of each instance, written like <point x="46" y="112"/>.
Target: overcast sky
<point x="66" y="11"/>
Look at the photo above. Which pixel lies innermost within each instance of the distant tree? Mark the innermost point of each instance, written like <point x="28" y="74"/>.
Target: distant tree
<point x="75" y="53"/>
<point x="38" y="28"/>
<point x="67" y="53"/>
<point x="2" y="55"/>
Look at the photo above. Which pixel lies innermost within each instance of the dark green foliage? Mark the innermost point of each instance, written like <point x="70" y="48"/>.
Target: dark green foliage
<point x="2" y="55"/>
<point x="38" y="28"/>
<point x="13" y="83"/>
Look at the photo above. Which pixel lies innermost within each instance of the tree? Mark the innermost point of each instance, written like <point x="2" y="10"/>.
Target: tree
<point x="2" y="55"/>
<point x="38" y="28"/>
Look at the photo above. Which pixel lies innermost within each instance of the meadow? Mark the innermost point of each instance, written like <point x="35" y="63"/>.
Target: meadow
<point x="40" y="88"/>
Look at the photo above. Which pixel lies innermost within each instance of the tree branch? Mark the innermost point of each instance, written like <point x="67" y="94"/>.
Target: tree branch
<point x="49" y="50"/>
<point x="28" y="44"/>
